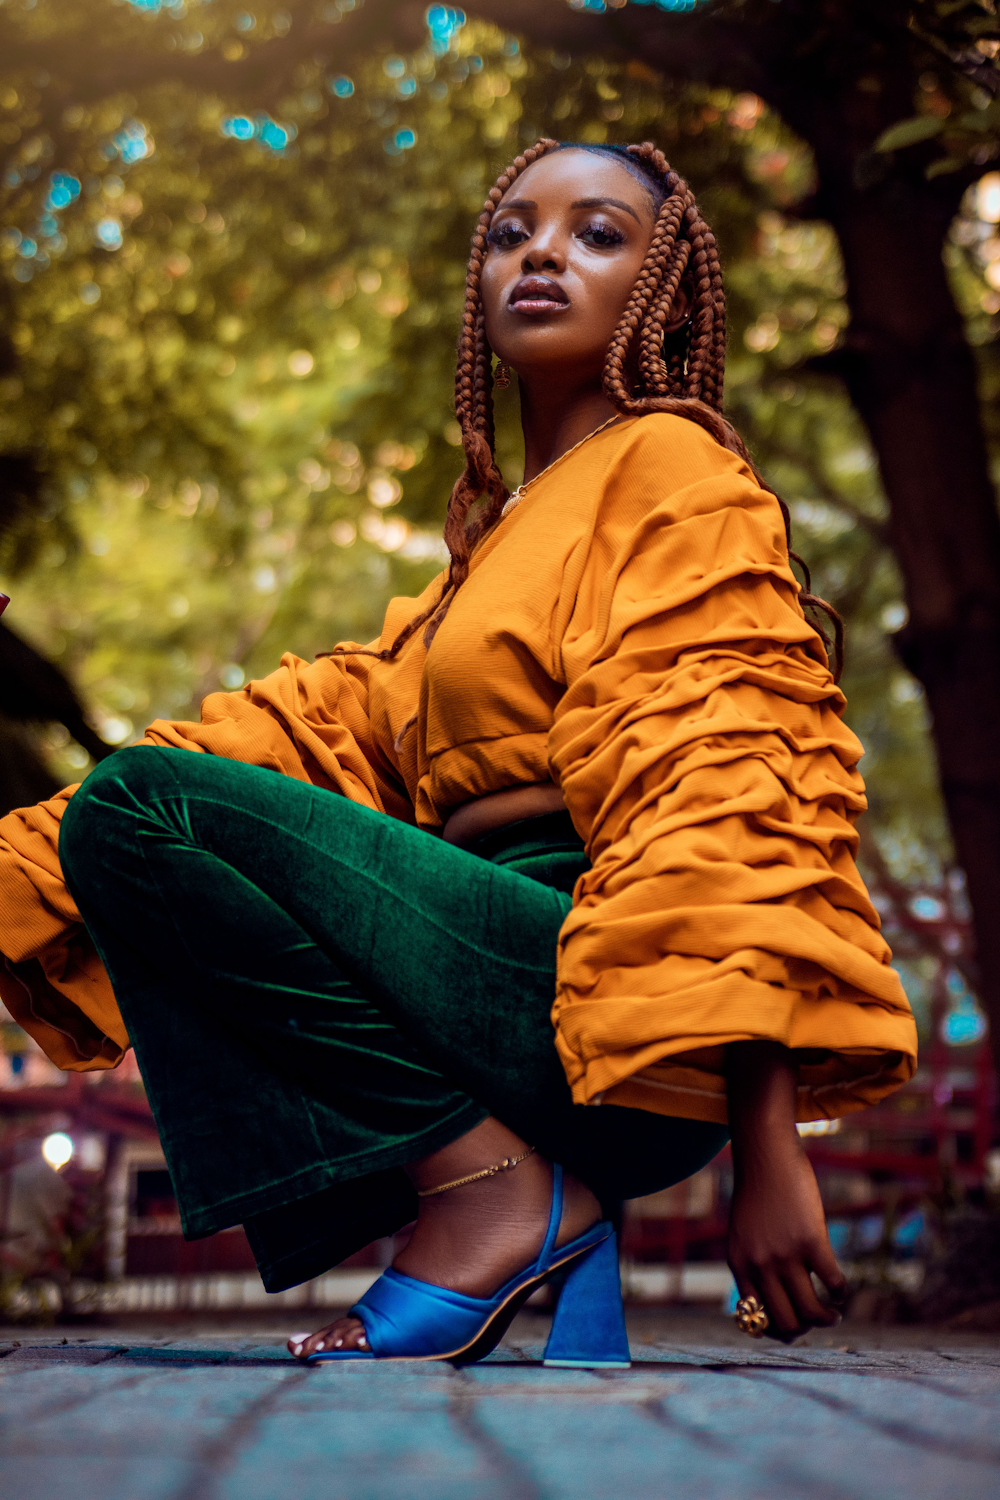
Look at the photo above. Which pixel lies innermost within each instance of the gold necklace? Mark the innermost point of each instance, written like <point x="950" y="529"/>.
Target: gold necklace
<point x="518" y="495"/>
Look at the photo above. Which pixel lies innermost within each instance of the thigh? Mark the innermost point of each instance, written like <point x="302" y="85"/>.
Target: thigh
<point x="458" y="953"/>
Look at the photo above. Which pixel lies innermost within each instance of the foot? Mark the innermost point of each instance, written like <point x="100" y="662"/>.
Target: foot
<point x="474" y="1238"/>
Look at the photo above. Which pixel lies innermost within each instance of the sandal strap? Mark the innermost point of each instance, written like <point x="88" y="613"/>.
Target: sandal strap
<point x="555" y="1216"/>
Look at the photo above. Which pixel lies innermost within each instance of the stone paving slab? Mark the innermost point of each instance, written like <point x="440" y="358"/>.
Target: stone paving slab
<point x="116" y="1417"/>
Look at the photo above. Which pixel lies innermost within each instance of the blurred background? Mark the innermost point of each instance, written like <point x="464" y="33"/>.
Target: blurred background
<point x="232" y="250"/>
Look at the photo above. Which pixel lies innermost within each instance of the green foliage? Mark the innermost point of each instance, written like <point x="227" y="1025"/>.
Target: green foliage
<point x="909" y="133"/>
<point x="956" y="94"/>
<point x="241" y="414"/>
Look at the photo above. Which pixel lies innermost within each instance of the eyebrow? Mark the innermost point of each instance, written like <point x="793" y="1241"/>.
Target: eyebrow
<point x="580" y="203"/>
<point x="601" y="202"/>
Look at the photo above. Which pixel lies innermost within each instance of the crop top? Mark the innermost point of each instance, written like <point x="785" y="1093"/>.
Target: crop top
<point x="632" y="630"/>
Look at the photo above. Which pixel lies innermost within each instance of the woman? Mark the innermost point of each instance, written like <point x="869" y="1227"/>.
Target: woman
<point x="600" y="760"/>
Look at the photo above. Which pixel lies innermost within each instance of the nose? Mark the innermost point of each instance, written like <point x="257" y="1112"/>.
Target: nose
<point x="544" y="252"/>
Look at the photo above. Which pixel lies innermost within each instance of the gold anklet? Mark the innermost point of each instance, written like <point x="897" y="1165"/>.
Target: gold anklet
<point x="501" y="1166"/>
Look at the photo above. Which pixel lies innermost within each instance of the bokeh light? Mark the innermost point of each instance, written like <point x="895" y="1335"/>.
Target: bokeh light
<point x="57" y="1149"/>
<point x="108" y="234"/>
<point x="988" y="198"/>
<point x="64" y="189"/>
<point x="132" y="143"/>
<point x="964" y="1025"/>
<point x="600" y="6"/>
<point x="443" y="23"/>
<point x="261" y="128"/>
<point x="300" y="363"/>
<point x="240" y="127"/>
<point x="403" y="140"/>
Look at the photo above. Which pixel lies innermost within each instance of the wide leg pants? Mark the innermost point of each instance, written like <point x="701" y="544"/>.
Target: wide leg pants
<point x="318" y="993"/>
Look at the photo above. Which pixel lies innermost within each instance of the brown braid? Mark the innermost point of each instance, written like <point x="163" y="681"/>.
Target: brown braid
<point x="680" y="373"/>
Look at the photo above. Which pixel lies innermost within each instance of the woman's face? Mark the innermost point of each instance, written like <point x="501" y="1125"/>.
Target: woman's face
<point x="566" y="245"/>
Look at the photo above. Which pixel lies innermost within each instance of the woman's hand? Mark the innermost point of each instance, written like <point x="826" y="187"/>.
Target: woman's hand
<point x="777" y="1229"/>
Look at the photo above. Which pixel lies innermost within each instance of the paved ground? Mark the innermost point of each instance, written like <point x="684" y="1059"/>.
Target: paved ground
<point x="189" y="1412"/>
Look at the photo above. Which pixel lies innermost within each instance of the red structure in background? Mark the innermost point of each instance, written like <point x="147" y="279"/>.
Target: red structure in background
<point x="933" y="1133"/>
<point x="94" y="1102"/>
<point x="142" y="1227"/>
<point x="932" y="1137"/>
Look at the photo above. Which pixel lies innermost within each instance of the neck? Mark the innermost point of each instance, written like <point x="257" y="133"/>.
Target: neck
<point x="554" y="420"/>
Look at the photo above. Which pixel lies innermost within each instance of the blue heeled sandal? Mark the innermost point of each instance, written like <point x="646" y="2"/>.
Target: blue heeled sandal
<point x="409" y="1319"/>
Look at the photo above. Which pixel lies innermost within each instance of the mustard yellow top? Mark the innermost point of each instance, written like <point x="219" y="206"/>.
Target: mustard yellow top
<point x="633" y="630"/>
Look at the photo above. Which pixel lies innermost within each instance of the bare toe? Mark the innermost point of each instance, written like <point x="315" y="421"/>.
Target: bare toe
<point x="345" y="1334"/>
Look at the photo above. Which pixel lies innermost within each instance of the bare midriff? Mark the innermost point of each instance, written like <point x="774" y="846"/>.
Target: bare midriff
<point x="474" y="819"/>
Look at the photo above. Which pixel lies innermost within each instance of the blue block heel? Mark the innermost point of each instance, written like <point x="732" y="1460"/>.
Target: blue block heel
<point x="588" y="1330"/>
<point x="409" y="1319"/>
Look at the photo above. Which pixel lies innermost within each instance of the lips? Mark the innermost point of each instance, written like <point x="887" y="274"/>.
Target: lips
<point x="538" y="294"/>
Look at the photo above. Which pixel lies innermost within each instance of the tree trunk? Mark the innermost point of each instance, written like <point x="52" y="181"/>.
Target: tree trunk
<point x="912" y="377"/>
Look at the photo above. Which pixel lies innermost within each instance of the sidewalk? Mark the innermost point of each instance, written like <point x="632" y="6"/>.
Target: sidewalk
<point x="190" y="1411"/>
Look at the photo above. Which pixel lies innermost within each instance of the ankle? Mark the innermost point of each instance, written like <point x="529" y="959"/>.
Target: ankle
<point x="489" y="1146"/>
<point x="482" y="1175"/>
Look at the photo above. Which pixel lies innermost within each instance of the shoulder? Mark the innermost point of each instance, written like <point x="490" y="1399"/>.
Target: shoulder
<point x="666" y="469"/>
<point x="678" y="449"/>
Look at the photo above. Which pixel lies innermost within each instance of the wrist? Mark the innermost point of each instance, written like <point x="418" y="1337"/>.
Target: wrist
<point x="762" y="1079"/>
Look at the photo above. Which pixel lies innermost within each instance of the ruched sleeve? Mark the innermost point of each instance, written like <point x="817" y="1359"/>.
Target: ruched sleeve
<point x="305" y="720"/>
<point x="702" y="753"/>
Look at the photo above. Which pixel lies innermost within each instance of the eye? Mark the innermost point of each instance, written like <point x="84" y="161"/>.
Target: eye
<point x="601" y="235"/>
<point x="505" y="236"/>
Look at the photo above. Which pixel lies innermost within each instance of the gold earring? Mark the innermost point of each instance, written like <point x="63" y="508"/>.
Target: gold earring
<point x="502" y="379"/>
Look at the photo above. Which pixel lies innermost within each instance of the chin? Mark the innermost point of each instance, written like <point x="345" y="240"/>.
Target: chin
<point x="551" y="357"/>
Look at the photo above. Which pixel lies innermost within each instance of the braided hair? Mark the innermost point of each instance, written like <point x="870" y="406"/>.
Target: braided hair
<point x="680" y="372"/>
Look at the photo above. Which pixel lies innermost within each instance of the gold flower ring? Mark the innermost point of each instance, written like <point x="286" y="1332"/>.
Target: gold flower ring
<point x="751" y="1317"/>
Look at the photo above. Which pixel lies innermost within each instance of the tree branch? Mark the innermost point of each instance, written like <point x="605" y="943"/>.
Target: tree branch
<point x="704" y="47"/>
<point x="267" y="68"/>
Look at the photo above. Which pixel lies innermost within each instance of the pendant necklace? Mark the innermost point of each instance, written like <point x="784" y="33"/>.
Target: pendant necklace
<point x="518" y="495"/>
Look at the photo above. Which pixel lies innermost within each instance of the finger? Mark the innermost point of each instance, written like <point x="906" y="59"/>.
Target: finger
<point x="802" y="1295"/>
<point x="822" y="1260"/>
<point x="782" y="1317"/>
<point x="745" y="1285"/>
<point x="751" y="1282"/>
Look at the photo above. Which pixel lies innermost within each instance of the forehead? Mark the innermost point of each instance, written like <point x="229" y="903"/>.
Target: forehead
<point x="564" y="176"/>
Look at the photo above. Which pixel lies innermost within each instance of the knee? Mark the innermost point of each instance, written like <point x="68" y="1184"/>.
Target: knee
<point x="105" y="803"/>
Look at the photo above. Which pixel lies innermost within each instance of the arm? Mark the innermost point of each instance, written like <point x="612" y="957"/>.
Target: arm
<point x="702" y="753"/>
<point x="51" y="979"/>
<point x="777" y="1229"/>
<point x="309" y="721"/>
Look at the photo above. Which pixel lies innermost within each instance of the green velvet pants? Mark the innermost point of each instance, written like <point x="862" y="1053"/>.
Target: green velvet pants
<point x="318" y="994"/>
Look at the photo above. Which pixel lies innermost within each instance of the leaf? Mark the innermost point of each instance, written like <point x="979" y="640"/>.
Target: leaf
<point x="943" y="165"/>
<point x="980" y="119"/>
<point x="909" y="133"/>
